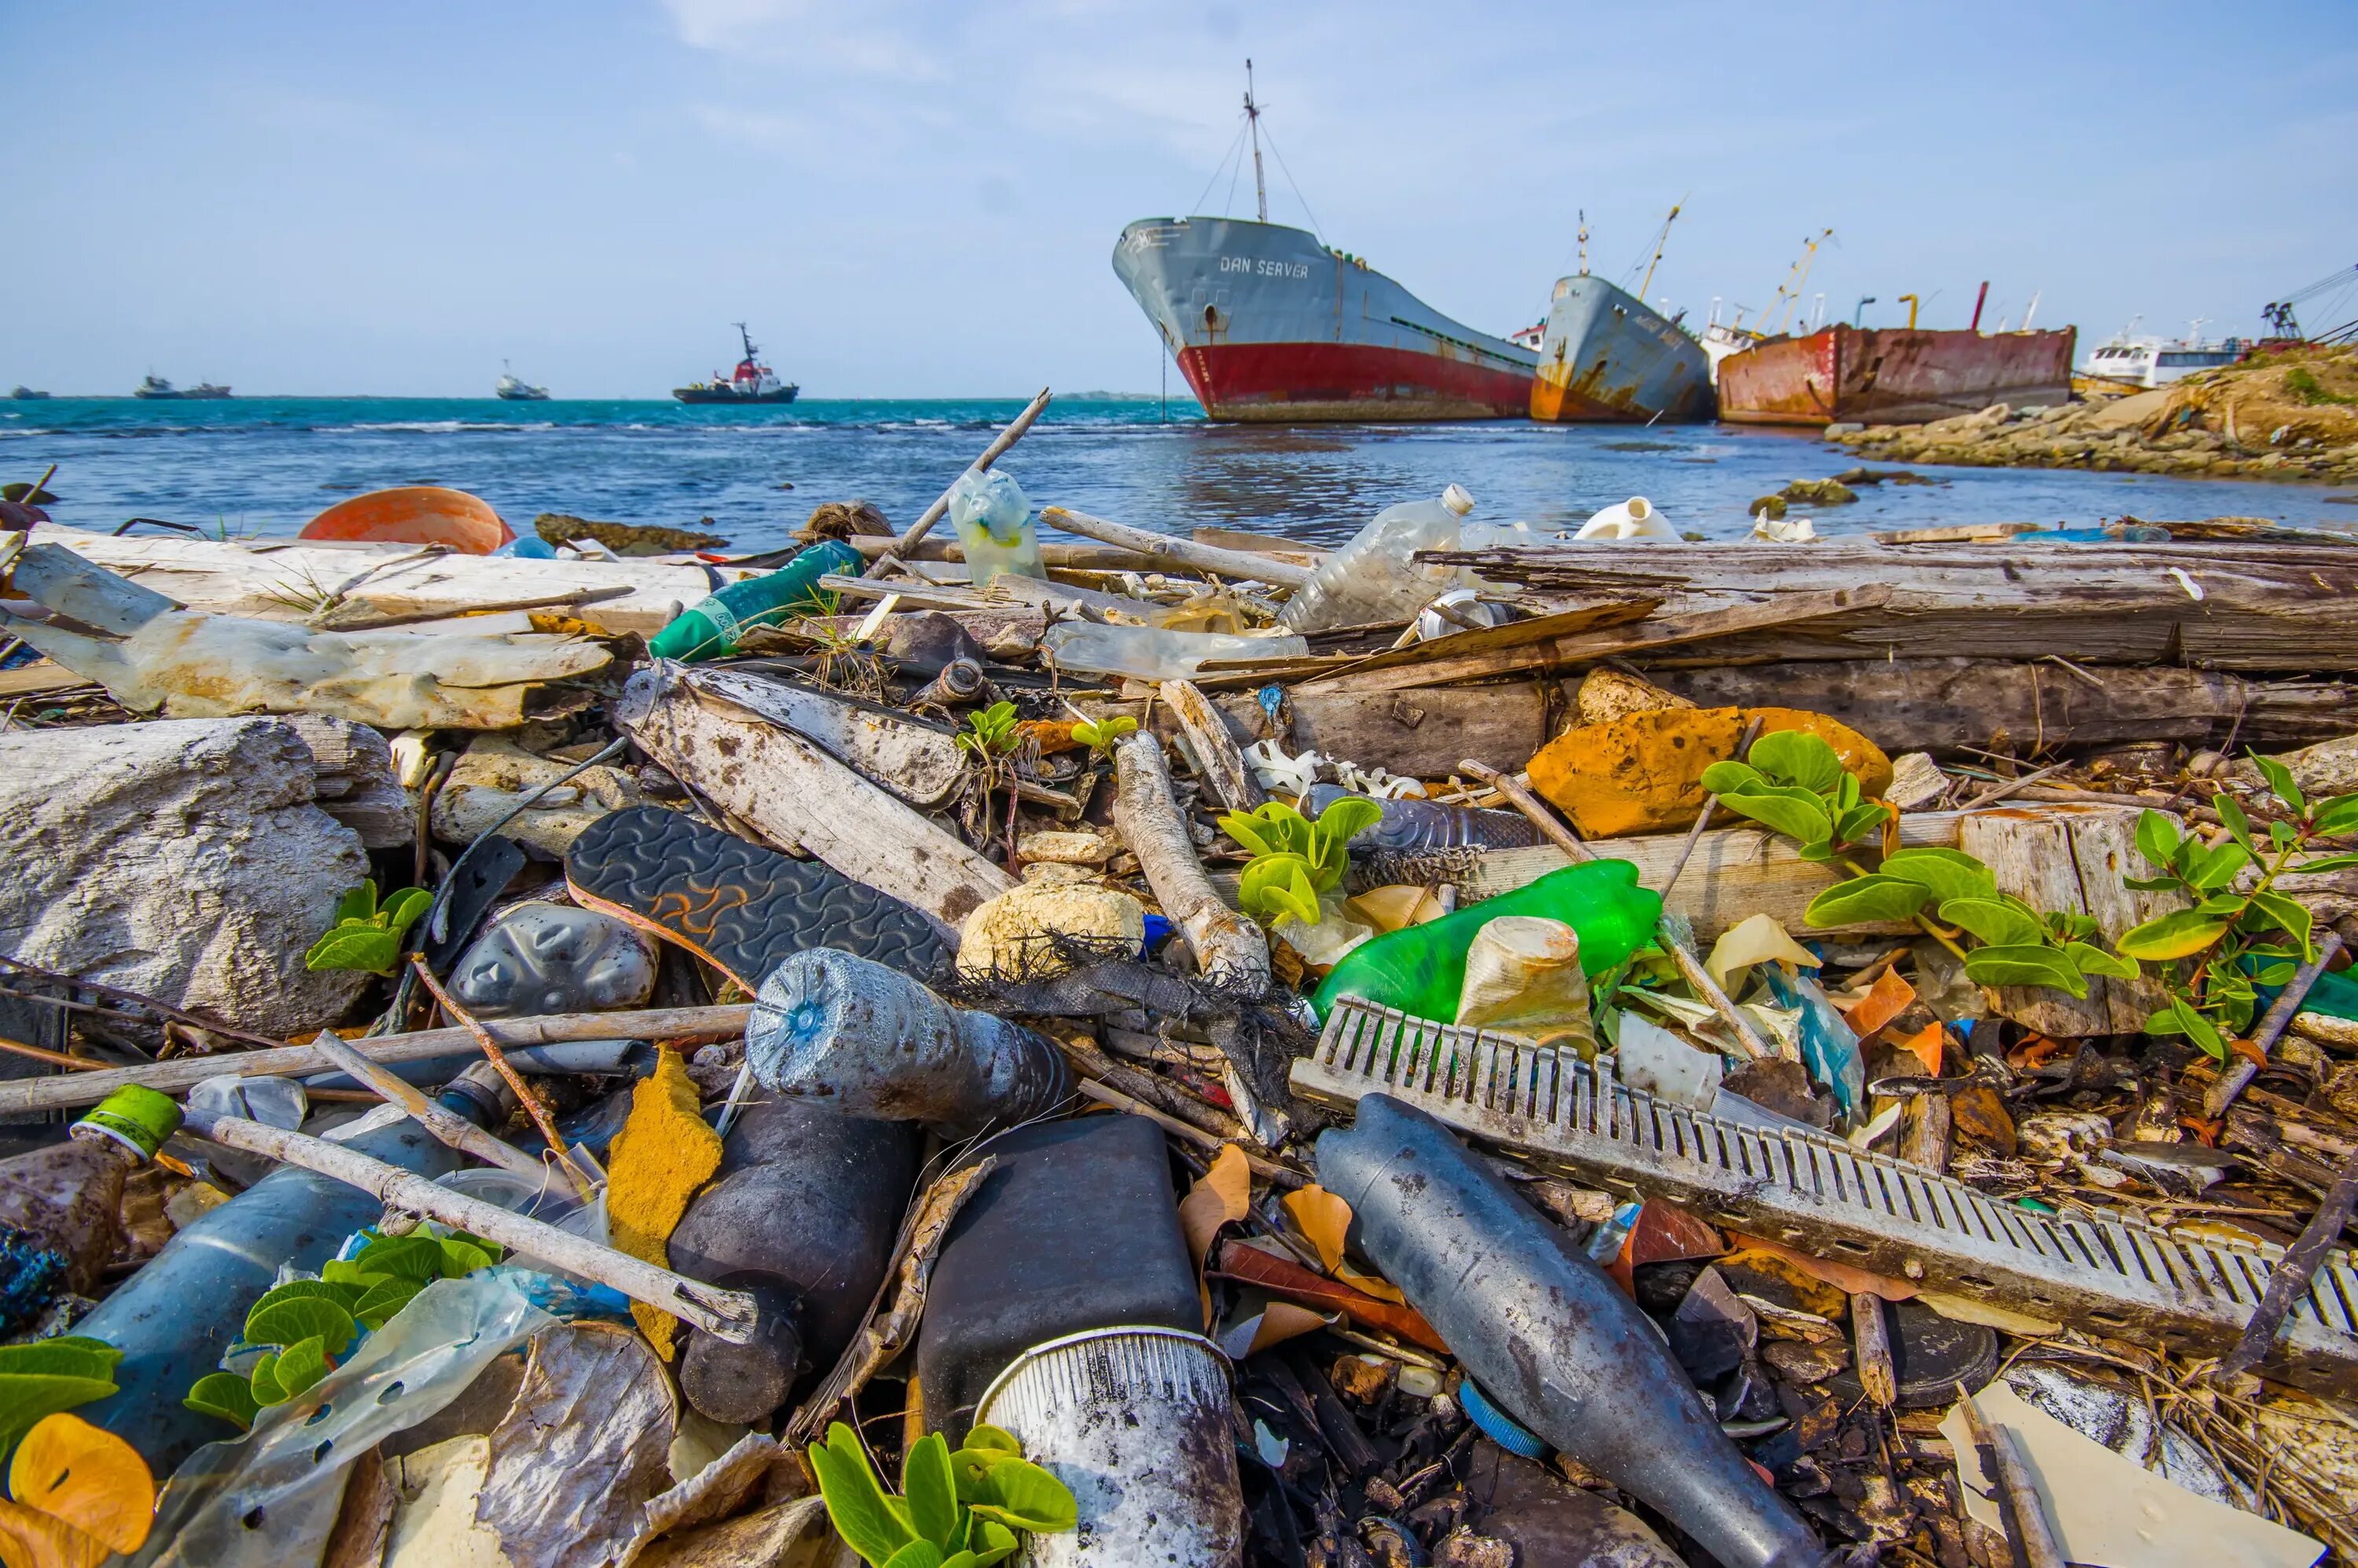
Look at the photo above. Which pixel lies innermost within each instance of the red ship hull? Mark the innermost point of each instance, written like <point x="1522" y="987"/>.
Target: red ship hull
<point x="1878" y="376"/>
<point x="1284" y="382"/>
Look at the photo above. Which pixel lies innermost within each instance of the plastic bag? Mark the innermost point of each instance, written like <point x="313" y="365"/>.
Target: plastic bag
<point x="993" y="519"/>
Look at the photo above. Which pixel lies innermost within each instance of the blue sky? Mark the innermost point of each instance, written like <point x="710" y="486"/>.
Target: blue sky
<point x="912" y="199"/>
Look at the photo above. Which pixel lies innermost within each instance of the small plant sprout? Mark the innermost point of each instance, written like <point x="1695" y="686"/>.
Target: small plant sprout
<point x="367" y="935"/>
<point x="1295" y="860"/>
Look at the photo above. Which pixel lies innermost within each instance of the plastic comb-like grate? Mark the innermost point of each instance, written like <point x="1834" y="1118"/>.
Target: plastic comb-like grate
<point x="2102" y="1274"/>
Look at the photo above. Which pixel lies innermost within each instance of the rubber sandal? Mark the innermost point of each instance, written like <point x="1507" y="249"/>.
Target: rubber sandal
<point x="739" y="905"/>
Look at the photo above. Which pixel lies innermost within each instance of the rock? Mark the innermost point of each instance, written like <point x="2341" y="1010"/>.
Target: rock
<point x="1917" y="782"/>
<point x="496" y="773"/>
<point x="1607" y="693"/>
<point x="354" y="766"/>
<point x="625" y="538"/>
<point x="1065" y="848"/>
<point x="1643" y="772"/>
<point x="1842" y="428"/>
<point x="185" y="858"/>
<point x="1818" y="492"/>
<point x="1023" y="933"/>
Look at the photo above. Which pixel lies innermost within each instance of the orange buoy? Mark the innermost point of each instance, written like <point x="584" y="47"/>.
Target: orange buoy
<point x="413" y="514"/>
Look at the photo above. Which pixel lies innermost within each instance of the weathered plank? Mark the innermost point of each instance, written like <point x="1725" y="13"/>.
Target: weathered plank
<point x="792" y="792"/>
<point x="1218" y="759"/>
<point x="1420" y="734"/>
<point x="919" y="761"/>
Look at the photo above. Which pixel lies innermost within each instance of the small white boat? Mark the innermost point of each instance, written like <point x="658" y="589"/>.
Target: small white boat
<point x="2139" y="361"/>
<point x="513" y="388"/>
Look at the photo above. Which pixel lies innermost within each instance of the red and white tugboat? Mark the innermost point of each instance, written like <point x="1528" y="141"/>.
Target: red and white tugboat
<point x="750" y="382"/>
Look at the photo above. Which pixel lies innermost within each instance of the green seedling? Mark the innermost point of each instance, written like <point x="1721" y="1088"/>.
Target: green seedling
<point x="311" y="1324"/>
<point x="962" y="1509"/>
<point x="367" y="935"/>
<point x="42" y="1377"/>
<point x="989" y="733"/>
<point x="1099" y="734"/>
<point x="2214" y="955"/>
<point x="1296" y="859"/>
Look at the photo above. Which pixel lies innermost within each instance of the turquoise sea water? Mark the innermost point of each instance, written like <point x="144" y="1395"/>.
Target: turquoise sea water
<point x="265" y="465"/>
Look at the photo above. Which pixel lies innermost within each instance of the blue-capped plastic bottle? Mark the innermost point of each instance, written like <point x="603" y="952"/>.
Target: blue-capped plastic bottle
<point x="711" y="628"/>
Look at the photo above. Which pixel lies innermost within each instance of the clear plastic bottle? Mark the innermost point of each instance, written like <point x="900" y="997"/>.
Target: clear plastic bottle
<point x="1371" y="581"/>
<point x="993" y="519"/>
<point x="1150" y="653"/>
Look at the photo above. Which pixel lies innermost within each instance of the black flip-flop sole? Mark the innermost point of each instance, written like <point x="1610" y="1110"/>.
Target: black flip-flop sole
<point x="740" y="905"/>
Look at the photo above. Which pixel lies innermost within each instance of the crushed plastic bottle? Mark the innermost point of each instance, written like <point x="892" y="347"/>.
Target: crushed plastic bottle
<point x="1152" y="653"/>
<point x="1372" y="581"/>
<point x="993" y="519"/>
<point x="1409" y="827"/>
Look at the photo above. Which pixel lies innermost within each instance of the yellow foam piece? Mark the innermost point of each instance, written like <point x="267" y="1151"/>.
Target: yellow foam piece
<point x="664" y="1153"/>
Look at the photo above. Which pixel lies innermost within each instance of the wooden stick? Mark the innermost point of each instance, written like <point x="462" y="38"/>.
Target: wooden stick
<point x="1529" y="805"/>
<point x="182" y="1074"/>
<point x="2027" y="1526"/>
<point x="499" y="1059"/>
<point x="1871" y="1344"/>
<point x="1231" y="950"/>
<point x="448" y="1127"/>
<point x="1710" y="804"/>
<point x="162" y="1009"/>
<point x="1690" y="969"/>
<point x="729" y="1314"/>
<point x="55" y="1058"/>
<point x="1283" y="1175"/>
<point x="570" y="598"/>
<point x="2291" y="1278"/>
<point x="1226" y="772"/>
<point x="2279" y="1017"/>
<point x="933" y="514"/>
<point x="1172" y="551"/>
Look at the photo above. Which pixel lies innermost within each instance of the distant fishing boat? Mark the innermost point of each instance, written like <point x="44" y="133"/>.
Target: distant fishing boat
<point x="156" y="387"/>
<point x="26" y="394"/>
<point x="1606" y="356"/>
<point x="750" y="382"/>
<point x="513" y="388"/>
<point x="2150" y="362"/>
<point x="1271" y="323"/>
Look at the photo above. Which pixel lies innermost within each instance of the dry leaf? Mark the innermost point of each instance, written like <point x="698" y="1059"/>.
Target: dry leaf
<point x="585" y="1446"/>
<point x="31" y="1538"/>
<point x="1394" y="908"/>
<point x="89" y="1478"/>
<point x="1755" y="940"/>
<point x="1325" y="1220"/>
<point x="1926" y="1045"/>
<point x="663" y="1154"/>
<point x="1220" y="1196"/>
<point x="1881" y="1004"/>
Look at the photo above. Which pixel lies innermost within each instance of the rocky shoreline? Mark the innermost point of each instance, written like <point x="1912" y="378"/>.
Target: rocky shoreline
<point x="2292" y="416"/>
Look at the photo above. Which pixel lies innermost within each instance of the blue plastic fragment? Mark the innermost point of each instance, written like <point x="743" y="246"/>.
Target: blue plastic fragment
<point x="1496" y="1425"/>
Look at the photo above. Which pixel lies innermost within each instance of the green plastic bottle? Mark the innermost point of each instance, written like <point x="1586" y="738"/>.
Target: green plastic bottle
<point x="1421" y="968"/>
<point x="712" y="627"/>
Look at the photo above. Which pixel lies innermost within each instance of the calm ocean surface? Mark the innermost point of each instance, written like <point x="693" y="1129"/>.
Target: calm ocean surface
<point x="265" y="465"/>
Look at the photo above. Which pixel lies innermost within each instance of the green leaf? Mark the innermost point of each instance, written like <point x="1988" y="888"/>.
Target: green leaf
<point x="2197" y="1028"/>
<point x="461" y="1258"/>
<point x="1796" y="813"/>
<point x="355" y="948"/>
<point x="993" y="1437"/>
<point x="1248" y="832"/>
<point x="2282" y="836"/>
<point x="2024" y="965"/>
<point x="1946" y="873"/>
<point x="263" y="1380"/>
<point x="403" y="909"/>
<point x="2336" y="818"/>
<point x="384" y="1299"/>
<point x="2280" y="783"/>
<point x="358" y="905"/>
<point x="46" y="1376"/>
<point x="931" y="1490"/>
<point x="1726" y="778"/>
<point x="285" y="1316"/>
<point x="2231" y="812"/>
<point x="2288" y="915"/>
<point x="1798" y="758"/>
<point x="1996" y="921"/>
<point x="226" y="1395"/>
<point x="416" y="1257"/>
<point x="300" y="1366"/>
<point x="917" y="1554"/>
<point x="1021" y="1495"/>
<point x="1855" y="823"/>
<point x="856" y="1503"/>
<point x="998" y="1543"/>
<point x="1869" y="900"/>
<point x="2179" y="935"/>
<point x="1276" y="885"/>
<point x="2215" y="866"/>
<point x="961" y="1560"/>
<point x="2326" y="863"/>
<point x="2156" y="837"/>
<point x="2091" y="959"/>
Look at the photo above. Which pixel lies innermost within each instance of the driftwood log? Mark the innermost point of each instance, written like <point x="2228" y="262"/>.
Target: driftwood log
<point x="2238" y="606"/>
<point x="1231" y="949"/>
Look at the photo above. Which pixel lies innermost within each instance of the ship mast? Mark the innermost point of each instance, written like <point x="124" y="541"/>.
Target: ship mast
<point x="1252" y="118"/>
<point x="1662" y="242"/>
<point x="1584" y="242"/>
<point x="745" y="337"/>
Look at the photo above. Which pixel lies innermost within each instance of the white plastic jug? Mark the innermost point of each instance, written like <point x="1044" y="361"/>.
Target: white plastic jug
<point x="1632" y="519"/>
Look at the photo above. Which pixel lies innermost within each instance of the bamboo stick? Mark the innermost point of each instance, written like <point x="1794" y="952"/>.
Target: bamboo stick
<point x="185" y="1073"/>
<point x="729" y="1314"/>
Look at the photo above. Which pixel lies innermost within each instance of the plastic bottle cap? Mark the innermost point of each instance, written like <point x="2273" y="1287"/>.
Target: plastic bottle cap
<point x="139" y="1120"/>
<point x="1458" y="499"/>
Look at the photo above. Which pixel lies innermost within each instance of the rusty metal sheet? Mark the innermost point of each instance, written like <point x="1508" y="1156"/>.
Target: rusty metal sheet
<point x="2107" y="1275"/>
